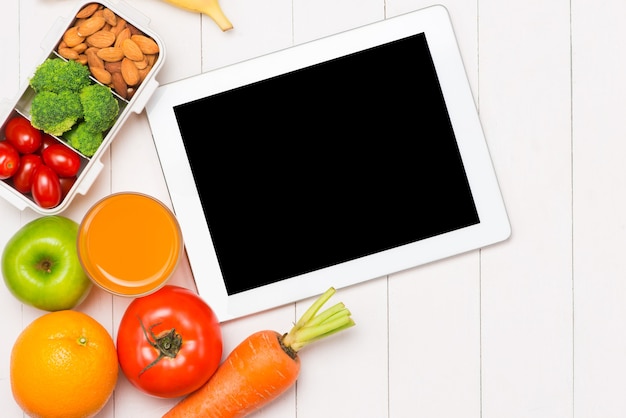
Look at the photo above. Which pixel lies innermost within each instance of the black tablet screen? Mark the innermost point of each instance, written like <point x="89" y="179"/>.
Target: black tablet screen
<point x="326" y="164"/>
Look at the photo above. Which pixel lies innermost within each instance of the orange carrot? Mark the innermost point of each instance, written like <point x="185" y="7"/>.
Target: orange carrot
<point x="262" y="367"/>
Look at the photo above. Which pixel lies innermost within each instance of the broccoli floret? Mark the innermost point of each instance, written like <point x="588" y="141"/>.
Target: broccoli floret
<point x="55" y="113"/>
<point x="65" y="102"/>
<point x="100" y="107"/>
<point x="56" y="75"/>
<point x="83" y="139"/>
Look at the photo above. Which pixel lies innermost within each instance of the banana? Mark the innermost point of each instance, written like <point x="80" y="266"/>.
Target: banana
<point x="210" y="8"/>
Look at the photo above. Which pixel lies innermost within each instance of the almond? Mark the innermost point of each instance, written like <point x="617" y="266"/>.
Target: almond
<point x="131" y="50"/>
<point x="91" y="25"/>
<point x="122" y="36"/>
<point x="133" y="29"/>
<point x="79" y="22"/>
<point x="151" y="59"/>
<point x="111" y="54"/>
<point x="130" y="72"/>
<point x="87" y="11"/>
<point x="93" y="60"/>
<point x="109" y="16"/>
<point x="101" y="39"/>
<point x="101" y="75"/>
<point x="117" y="53"/>
<point x="119" y="85"/>
<point x="146" y="44"/>
<point x="113" y="66"/>
<point x="68" y="53"/>
<point x="143" y="73"/>
<point x="72" y="38"/>
<point x="80" y="48"/>
<point x="120" y="26"/>
<point x="82" y="59"/>
<point x="142" y="63"/>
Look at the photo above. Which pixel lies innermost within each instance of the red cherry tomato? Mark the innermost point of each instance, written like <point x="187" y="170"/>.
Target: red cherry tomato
<point x="46" y="140"/>
<point x="169" y="342"/>
<point x="46" y="187"/>
<point x="9" y="160"/>
<point x="66" y="184"/>
<point x="22" y="135"/>
<point x="61" y="159"/>
<point x="23" y="178"/>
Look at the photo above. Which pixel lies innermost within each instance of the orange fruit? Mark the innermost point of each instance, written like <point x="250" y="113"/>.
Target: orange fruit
<point x="63" y="364"/>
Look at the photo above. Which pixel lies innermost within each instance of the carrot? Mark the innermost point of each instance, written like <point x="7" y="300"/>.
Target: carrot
<point x="262" y="367"/>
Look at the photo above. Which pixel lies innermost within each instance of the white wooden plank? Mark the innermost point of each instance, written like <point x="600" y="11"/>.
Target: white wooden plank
<point x="313" y="20"/>
<point x="258" y="28"/>
<point x="524" y="96"/>
<point x="9" y="70"/>
<point x="434" y="339"/>
<point x="599" y="106"/>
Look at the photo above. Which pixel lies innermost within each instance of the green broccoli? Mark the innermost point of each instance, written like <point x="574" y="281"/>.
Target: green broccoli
<point x="55" y="113"/>
<point x="100" y="107"/>
<point x="56" y="75"/>
<point x="66" y="102"/>
<point x="83" y="139"/>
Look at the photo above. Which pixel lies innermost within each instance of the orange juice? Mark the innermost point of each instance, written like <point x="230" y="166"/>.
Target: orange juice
<point x="129" y="244"/>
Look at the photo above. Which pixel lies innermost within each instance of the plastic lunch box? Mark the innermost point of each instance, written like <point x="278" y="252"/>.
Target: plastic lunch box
<point x="90" y="166"/>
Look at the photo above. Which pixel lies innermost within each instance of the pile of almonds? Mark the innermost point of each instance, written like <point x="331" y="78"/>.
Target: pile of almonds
<point x="118" y="54"/>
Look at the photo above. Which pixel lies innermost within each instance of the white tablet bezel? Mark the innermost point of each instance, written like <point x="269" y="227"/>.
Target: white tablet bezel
<point x="434" y="21"/>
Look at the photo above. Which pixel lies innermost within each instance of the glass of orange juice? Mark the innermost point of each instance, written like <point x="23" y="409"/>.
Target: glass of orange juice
<point x="129" y="244"/>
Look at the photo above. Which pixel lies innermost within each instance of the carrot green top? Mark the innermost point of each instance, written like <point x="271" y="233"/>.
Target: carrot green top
<point x="313" y="326"/>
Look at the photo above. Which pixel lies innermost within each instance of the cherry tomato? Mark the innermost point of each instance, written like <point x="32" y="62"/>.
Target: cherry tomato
<point x="169" y="343"/>
<point x="61" y="159"/>
<point x="9" y="160"/>
<point x="22" y="135"/>
<point x="46" y="188"/>
<point x="23" y="178"/>
<point x="66" y="184"/>
<point x="46" y="140"/>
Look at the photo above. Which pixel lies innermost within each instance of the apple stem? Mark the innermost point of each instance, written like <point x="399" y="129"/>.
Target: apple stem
<point x="46" y="265"/>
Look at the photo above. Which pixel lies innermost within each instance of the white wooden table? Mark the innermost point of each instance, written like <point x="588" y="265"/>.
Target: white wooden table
<point x="532" y="327"/>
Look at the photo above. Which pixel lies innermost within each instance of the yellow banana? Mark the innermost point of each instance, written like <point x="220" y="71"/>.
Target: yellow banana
<point x="210" y="8"/>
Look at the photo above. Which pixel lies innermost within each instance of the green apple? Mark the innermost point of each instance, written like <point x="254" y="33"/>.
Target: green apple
<point x="40" y="264"/>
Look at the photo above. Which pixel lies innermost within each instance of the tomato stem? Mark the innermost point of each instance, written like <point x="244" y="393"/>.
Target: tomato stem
<point x="167" y="344"/>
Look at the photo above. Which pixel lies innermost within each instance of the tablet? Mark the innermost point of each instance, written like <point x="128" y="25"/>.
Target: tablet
<point x="329" y="163"/>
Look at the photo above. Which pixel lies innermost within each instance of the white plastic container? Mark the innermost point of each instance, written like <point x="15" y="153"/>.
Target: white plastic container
<point x="135" y="102"/>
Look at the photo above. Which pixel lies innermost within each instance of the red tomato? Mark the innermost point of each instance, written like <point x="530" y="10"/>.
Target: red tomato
<point x="9" y="160"/>
<point x="24" y="136"/>
<point x="46" y="141"/>
<point x="169" y="343"/>
<point x="61" y="159"/>
<point x="23" y="178"/>
<point x="66" y="184"/>
<point x="46" y="187"/>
